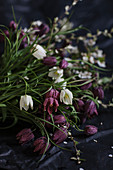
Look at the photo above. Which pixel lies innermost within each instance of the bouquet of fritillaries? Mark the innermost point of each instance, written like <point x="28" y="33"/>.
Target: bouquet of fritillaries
<point x="49" y="78"/>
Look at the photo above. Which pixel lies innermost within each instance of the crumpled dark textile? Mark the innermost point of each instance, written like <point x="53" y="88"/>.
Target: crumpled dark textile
<point x="95" y="149"/>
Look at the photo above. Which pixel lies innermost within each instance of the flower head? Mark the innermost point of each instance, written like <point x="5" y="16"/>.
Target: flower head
<point x="25" y="136"/>
<point x="90" y="130"/>
<point x="98" y="92"/>
<point x="41" y="145"/>
<point x="60" y="136"/>
<point x="49" y="104"/>
<point x="40" y="52"/>
<point x="90" y="108"/>
<point x="55" y="72"/>
<point x="66" y="96"/>
<point x="79" y="105"/>
<point x="25" y="101"/>
<point x="63" y="64"/>
<point x="52" y="93"/>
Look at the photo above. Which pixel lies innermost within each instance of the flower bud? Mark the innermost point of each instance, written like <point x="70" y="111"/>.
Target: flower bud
<point x="49" y="61"/>
<point x="98" y="92"/>
<point x="90" y="130"/>
<point x="13" y="25"/>
<point x="63" y="64"/>
<point x="41" y="144"/>
<point x="21" y="36"/>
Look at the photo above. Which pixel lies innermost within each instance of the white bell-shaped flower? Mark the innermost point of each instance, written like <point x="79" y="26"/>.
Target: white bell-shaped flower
<point x="40" y="52"/>
<point x="66" y="96"/>
<point x="25" y="102"/>
<point x="55" y="73"/>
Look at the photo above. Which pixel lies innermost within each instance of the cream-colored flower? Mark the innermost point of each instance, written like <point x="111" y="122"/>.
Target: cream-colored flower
<point x="66" y="96"/>
<point x="40" y="52"/>
<point x="55" y="73"/>
<point x="25" y="102"/>
<point x="101" y="64"/>
<point x="60" y="80"/>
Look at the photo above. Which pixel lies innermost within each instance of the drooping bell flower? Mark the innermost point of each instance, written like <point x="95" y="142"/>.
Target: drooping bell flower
<point x="59" y="119"/>
<point x="25" y="102"/>
<point x="13" y="25"/>
<point x="86" y="86"/>
<point x="40" y="52"/>
<point x="90" y="130"/>
<point x="60" y="136"/>
<point x="66" y="96"/>
<point x="49" y="61"/>
<point x="90" y="108"/>
<point x="25" y="136"/>
<point x="53" y="93"/>
<point x="98" y="92"/>
<point x="63" y="64"/>
<point x="49" y="104"/>
<point x="41" y="145"/>
<point x="79" y="105"/>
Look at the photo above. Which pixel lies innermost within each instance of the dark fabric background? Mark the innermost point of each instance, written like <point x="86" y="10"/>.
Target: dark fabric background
<point x="92" y="14"/>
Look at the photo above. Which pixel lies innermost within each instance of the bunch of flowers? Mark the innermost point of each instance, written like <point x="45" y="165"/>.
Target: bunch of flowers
<point x="49" y="78"/>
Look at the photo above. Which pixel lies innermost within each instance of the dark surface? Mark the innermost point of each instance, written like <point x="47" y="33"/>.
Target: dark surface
<point x="93" y="14"/>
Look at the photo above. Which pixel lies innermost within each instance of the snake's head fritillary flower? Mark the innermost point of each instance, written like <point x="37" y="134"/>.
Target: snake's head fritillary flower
<point x="40" y="52"/>
<point x="60" y="135"/>
<point x="90" y="108"/>
<point x="49" y="61"/>
<point x="41" y="145"/>
<point x="98" y="92"/>
<point x="25" y="136"/>
<point x="66" y="96"/>
<point x="53" y="93"/>
<point x="63" y="64"/>
<point x="25" y="102"/>
<point x="55" y="72"/>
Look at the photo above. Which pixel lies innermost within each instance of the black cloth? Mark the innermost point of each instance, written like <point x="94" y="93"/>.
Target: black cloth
<point x="95" y="149"/>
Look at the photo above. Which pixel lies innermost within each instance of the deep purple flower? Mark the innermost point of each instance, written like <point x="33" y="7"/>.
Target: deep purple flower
<point x="49" y="103"/>
<point x="86" y="86"/>
<point x="90" y="108"/>
<point x="98" y="92"/>
<point x="60" y="136"/>
<point x="79" y="105"/>
<point x="63" y="64"/>
<point x="52" y="93"/>
<point x="59" y="119"/>
<point x="90" y="130"/>
<point x="49" y="61"/>
<point x="25" y="136"/>
<point x="2" y="37"/>
<point x="13" y="25"/>
<point x="41" y="144"/>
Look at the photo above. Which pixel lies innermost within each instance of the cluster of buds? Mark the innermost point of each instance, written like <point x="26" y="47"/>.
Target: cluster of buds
<point x="51" y="101"/>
